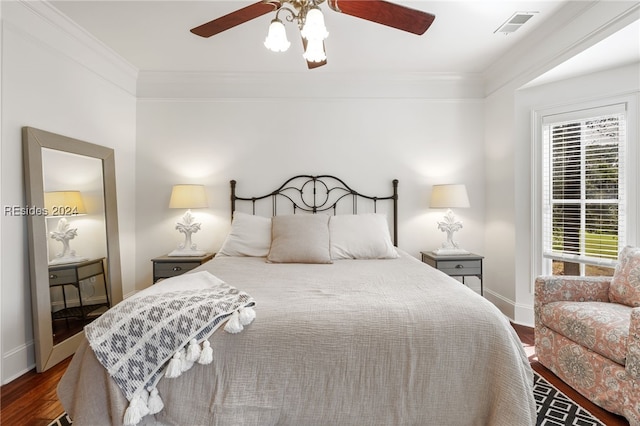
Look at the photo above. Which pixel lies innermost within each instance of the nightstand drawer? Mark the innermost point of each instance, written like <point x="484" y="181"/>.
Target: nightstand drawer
<point x="460" y="267"/>
<point x="166" y="270"/>
<point x="63" y="276"/>
<point x="172" y="266"/>
<point x="90" y="270"/>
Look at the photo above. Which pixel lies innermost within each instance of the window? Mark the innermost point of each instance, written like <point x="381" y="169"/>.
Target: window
<point x="583" y="190"/>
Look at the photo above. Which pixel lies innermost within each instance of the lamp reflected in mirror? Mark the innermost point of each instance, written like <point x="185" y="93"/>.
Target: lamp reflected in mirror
<point x="64" y="204"/>
<point x="188" y="197"/>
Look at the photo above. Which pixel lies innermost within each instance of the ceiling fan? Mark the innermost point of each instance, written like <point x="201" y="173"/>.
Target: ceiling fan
<point x="308" y="16"/>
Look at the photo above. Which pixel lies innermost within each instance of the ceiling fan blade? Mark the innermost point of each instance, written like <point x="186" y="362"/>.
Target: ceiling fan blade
<point x="238" y="17"/>
<point x="385" y="13"/>
<point x="311" y="65"/>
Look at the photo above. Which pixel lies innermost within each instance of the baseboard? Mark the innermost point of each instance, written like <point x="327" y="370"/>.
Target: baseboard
<point x="19" y="361"/>
<point x="516" y="312"/>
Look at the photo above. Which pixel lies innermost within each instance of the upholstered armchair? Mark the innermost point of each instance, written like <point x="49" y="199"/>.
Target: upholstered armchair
<point x="587" y="332"/>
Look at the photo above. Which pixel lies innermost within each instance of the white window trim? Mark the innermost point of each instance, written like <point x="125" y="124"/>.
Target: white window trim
<point x="631" y="101"/>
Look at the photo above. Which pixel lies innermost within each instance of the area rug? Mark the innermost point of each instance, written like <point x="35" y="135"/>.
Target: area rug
<point x="554" y="408"/>
<point x="63" y="420"/>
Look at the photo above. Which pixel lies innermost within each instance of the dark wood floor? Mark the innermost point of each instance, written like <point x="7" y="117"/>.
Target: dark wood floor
<point x="31" y="399"/>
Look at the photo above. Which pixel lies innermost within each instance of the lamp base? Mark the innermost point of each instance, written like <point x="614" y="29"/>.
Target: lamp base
<point x="67" y="259"/>
<point x="187" y="252"/>
<point x="449" y="251"/>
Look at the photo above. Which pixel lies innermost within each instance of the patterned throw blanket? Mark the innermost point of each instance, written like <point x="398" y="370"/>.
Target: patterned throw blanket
<point x="160" y="334"/>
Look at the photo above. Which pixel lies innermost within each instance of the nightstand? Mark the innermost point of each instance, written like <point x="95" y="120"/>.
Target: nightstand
<point x="171" y="266"/>
<point x="458" y="265"/>
<point x="72" y="274"/>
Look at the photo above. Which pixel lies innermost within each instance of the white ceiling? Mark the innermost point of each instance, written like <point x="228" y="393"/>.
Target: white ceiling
<point x="154" y="36"/>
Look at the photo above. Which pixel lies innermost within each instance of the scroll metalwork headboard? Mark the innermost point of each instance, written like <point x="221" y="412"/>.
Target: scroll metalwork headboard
<point x="322" y="193"/>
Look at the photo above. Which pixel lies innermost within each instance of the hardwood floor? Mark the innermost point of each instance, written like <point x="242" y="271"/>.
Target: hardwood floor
<point x="31" y="400"/>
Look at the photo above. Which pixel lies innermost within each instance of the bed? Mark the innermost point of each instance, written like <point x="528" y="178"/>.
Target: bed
<point x="366" y="335"/>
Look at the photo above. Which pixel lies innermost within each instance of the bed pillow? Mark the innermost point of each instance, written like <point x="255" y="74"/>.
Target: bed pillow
<point x="625" y="284"/>
<point x="362" y="236"/>
<point x="250" y="235"/>
<point x="302" y="238"/>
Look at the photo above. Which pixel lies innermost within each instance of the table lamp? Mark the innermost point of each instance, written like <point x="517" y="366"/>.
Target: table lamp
<point x="449" y="196"/>
<point x="188" y="197"/>
<point x="64" y="204"/>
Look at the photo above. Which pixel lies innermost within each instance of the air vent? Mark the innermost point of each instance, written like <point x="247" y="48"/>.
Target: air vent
<point x="516" y="20"/>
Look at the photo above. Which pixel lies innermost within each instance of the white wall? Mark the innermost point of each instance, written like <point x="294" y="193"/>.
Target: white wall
<point x="621" y="83"/>
<point x="508" y="217"/>
<point x="57" y="79"/>
<point x="262" y="142"/>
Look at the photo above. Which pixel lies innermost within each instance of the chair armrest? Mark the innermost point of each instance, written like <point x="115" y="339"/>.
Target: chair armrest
<point x="556" y="288"/>
<point x="632" y="365"/>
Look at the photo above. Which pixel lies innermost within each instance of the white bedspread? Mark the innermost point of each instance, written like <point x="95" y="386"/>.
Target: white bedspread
<point x="380" y="342"/>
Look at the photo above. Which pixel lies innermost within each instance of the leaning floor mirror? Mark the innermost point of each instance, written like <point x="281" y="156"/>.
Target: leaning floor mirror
<point x="74" y="256"/>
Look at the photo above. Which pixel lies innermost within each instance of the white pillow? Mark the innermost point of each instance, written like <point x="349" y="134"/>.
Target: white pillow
<point x="250" y="235"/>
<point x="363" y="236"/>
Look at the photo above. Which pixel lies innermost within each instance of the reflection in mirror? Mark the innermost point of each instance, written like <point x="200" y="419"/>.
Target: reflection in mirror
<point x="74" y="203"/>
<point x="73" y="251"/>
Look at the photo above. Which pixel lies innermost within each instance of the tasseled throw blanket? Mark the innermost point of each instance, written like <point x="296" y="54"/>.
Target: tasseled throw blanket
<point x="164" y="333"/>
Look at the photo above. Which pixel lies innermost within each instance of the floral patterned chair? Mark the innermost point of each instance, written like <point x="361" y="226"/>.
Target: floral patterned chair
<point x="587" y="331"/>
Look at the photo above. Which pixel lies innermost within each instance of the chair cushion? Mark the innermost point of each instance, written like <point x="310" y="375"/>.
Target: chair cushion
<point x="625" y="285"/>
<point x="600" y="326"/>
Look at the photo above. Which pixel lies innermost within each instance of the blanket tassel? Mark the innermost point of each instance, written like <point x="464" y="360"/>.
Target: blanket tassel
<point x="234" y="326"/>
<point x="143" y="403"/>
<point x="193" y="351"/>
<point x="206" y="356"/>
<point x="246" y="315"/>
<point x="185" y="364"/>
<point x="174" y="369"/>
<point x="155" y="404"/>
<point x="135" y="411"/>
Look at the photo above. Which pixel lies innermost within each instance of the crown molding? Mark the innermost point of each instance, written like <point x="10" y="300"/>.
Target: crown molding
<point x="45" y="25"/>
<point x="303" y="85"/>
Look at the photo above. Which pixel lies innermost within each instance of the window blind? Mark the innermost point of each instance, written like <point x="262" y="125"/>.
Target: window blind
<point x="584" y="185"/>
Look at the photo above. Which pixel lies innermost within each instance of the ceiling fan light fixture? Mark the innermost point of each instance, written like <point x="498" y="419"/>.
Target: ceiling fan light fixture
<point x="276" y="40"/>
<point x="314" y="28"/>
<point x="315" y="51"/>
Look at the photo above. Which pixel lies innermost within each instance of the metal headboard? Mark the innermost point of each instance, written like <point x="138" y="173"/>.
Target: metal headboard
<point x="314" y="194"/>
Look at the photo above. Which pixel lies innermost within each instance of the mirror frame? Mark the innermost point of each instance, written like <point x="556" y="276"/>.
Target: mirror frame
<point x="48" y="354"/>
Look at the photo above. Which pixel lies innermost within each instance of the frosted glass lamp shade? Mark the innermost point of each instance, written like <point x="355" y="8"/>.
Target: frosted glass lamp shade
<point x="188" y="197"/>
<point x="449" y="196"/>
<point x="315" y="51"/>
<point x="314" y="28"/>
<point x="64" y="203"/>
<point x="276" y="40"/>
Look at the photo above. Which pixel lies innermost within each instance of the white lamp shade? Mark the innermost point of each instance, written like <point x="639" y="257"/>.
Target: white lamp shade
<point x="314" y="28"/>
<point x="64" y="203"/>
<point x="449" y="196"/>
<point x="276" y="40"/>
<point x="188" y="197"/>
<point x="315" y="51"/>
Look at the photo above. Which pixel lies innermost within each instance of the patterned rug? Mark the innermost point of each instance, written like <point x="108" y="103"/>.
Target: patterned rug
<point x="554" y="408"/>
